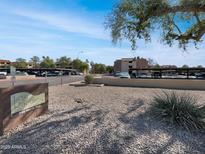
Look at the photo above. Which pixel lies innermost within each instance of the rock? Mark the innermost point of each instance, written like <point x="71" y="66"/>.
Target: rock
<point x="79" y="100"/>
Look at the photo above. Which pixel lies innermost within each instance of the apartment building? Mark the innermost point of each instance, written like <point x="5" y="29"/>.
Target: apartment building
<point x="124" y="64"/>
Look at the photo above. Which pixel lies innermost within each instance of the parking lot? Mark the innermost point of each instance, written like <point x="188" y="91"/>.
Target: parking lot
<point x="52" y="81"/>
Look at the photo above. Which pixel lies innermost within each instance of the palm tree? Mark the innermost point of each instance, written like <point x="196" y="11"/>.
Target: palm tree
<point x="84" y="67"/>
<point x="35" y="60"/>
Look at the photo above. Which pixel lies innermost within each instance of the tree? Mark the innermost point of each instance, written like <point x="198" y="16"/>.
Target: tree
<point x="80" y="65"/>
<point x="87" y="61"/>
<point x="91" y="64"/>
<point x="199" y="66"/>
<point x="185" y="66"/>
<point x="76" y="64"/>
<point x="98" y="68"/>
<point x="63" y="62"/>
<point x="35" y="60"/>
<point x="84" y="67"/>
<point x="151" y="62"/>
<point x="182" y="21"/>
<point x="110" y="69"/>
<point x="157" y="66"/>
<point x="47" y="62"/>
<point x="20" y="63"/>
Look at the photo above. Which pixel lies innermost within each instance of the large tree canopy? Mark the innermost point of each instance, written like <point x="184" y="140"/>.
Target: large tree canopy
<point x="180" y="20"/>
<point x="63" y="62"/>
<point x="47" y="62"/>
<point x="20" y="63"/>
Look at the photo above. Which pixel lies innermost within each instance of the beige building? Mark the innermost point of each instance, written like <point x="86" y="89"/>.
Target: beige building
<point x="29" y="65"/>
<point x="4" y="63"/>
<point x="124" y="64"/>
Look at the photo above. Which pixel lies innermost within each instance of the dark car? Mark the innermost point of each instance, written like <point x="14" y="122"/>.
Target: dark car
<point x="200" y="76"/>
<point x="2" y="76"/>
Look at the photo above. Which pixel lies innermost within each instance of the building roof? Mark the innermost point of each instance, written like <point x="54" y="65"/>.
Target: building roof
<point x="127" y="59"/>
<point x="168" y="66"/>
<point x="5" y="61"/>
<point x="131" y="59"/>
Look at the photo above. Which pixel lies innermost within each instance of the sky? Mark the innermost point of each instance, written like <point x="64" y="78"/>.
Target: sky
<point x="75" y="28"/>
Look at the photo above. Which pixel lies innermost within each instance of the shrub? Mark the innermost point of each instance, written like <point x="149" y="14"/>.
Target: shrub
<point x="88" y="79"/>
<point x="180" y="110"/>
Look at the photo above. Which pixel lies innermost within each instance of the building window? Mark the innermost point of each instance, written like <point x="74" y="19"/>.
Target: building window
<point x="130" y="66"/>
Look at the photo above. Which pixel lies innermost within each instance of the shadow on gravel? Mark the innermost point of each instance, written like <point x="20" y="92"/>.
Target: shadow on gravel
<point x="113" y="137"/>
<point x="44" y="136"/>
<point x="110" y="140"/>
<point x="105" y="144"/>
<point x="143" y="124"/>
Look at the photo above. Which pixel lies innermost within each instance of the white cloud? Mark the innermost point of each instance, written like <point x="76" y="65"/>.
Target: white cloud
<point x="65" y="22"/>
<point x="164" y="54"/>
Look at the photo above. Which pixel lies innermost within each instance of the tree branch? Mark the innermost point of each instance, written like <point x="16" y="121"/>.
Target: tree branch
<point x="195" y="32"/>
<point x="186" y="8"/>
<point x="134" y="19"/>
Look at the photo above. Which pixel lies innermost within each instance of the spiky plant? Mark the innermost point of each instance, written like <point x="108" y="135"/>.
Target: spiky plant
<point x="88" y="79"/>
<point x="179" y="109"/>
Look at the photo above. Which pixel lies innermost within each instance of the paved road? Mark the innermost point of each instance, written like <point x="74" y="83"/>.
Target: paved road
<point x="51" y="80"/>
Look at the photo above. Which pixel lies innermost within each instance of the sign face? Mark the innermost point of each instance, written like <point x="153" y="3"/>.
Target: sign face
<point x="21" y="103"/>
<point x="24" y="101"/>
<point x="13" y="74"/>
<point x="12" y="71"/>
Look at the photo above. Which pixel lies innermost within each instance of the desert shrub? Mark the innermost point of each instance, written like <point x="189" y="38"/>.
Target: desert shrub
<point x="179" y="109"/>
<point x="88" y="79"/>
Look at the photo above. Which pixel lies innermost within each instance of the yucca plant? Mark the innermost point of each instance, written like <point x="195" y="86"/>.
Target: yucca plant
<point x="88" y="79"/>
<point x="179" y="109"/>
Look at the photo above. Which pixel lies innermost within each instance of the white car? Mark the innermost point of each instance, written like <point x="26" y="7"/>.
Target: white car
<point x="4" y="73"/>
<point x="124" y="75"/>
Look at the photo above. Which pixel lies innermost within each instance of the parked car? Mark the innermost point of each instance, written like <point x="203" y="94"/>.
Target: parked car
<point x="50" y="74"/>
<point x="77" y="73"/>
<point x="144" y="75"/>
<point x="200" y="76"/>
<point x="122" y="75"/>
<point x="5" y="73"/>
<point x="18" y="73"/>
<point x="2" y="76"/>
<point x="192" y="77"/>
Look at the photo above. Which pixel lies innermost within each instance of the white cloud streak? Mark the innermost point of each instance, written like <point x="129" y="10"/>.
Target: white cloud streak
<point x="67" y="23"/>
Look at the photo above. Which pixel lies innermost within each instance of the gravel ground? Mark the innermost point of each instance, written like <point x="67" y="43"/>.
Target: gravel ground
<point x="101" y="120"/>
